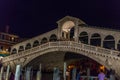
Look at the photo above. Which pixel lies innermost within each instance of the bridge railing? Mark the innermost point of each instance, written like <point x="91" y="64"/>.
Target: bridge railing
<point x="101" y="50"/>
<point x="66" y="44"/>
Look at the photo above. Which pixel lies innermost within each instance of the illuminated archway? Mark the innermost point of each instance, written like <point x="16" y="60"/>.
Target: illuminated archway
<point x="66" y="30"/>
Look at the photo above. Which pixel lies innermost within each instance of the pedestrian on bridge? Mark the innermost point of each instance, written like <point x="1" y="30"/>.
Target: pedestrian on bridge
<point x="78" y="75"/>
<point x="101" y="75"/>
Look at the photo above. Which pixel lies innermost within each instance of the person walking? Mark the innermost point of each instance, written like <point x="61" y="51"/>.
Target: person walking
<point x="78" y="75"/>
<point x="12" y="76"/>
<point x="101" y="75"/>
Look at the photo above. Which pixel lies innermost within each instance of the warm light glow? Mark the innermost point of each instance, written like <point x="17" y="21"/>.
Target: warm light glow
<point x="71" y="66"/>
<point x="67" y="26"/>
<point x="12" y="38"/>
<point x="4" y="51"/>
<point x="102" y="67"/>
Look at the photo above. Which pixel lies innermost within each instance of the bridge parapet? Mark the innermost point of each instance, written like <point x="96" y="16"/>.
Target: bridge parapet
<point x="69" y="45"/>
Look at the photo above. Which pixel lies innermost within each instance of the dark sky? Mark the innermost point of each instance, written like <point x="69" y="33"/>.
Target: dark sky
<point x="28" y="18"/>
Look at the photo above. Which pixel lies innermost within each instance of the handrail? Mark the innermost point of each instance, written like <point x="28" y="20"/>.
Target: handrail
<point x="59" y="44"/>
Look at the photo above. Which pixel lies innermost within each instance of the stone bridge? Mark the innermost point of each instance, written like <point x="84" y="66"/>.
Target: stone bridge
<point x="72" y="35"/>
<point x="106" y="57"/>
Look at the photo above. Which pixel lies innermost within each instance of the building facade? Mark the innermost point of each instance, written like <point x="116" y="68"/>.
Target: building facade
<point x="6" y="41"/>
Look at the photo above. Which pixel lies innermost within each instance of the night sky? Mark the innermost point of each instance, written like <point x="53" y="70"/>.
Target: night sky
<point x="29" y="18"/>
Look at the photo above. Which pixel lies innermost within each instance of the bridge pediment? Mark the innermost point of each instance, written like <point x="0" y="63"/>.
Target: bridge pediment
<point x="70" y="18"/>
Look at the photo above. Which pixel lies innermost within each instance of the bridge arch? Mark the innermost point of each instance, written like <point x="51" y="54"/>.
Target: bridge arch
<point x="95" y="39"/>
<point x="109" y="42"/>
<point x="58" y="63"/>
<point x="21" y="48"/>
<point x="14" y="51"/>
<point x="53" y="37"/>
<point x="82" y="52"/>
<point x="44" y="40"/>
<point x="49" y="61"/>
<point x="28" y="46"/>
<point x="83" y="37"/>
<point x="35" y="43"/>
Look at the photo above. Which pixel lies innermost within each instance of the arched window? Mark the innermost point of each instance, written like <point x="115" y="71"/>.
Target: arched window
<point x="28" y="46"/>
<point x="109" y="42"/>
<point x="14" y="51"/>
<point x="44" y="40"/>
<point x="53" y="37"/>
<point x="95" y="40"/>
<point x="36" y="43"/>
<point x="83" y="37"/>
<point x="21" y="48"/>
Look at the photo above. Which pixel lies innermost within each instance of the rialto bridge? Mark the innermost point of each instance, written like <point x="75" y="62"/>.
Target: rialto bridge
<point x="72" y="36"/>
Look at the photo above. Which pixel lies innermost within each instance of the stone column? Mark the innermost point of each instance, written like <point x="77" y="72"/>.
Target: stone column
<point x="76" y="32"/>
<point x="59" y="31"/>
<point x="1" y="73"/>
<point x="64" y="72"/>
<point x="39" y="74"/>
<point x="56" y="75"/>
<point x="7" y="73"/>
<point x="116" y="42"/>
<point x="18" y="72"/>
<point x="88" y="73"/>
<point x="89" y="37"/>
<point x="102" y="39"/>
<point x="28" y="71"/>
